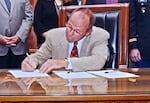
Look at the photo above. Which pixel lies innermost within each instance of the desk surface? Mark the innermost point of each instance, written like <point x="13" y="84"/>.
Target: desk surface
<point x="54" y="88"/>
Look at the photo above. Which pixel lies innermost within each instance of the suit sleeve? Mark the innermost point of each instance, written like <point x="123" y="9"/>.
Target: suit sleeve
<point x="26" y="22"/>
<point x="38" y="26"/>
<point x="132" y="26"/>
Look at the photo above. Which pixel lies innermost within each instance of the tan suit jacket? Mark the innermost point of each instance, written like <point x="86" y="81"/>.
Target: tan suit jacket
<point x="93" y="53"/>
<point x="17" y="22"/>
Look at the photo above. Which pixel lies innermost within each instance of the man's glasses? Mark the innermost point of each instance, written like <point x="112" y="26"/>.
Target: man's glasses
<point x="75" y="30"/>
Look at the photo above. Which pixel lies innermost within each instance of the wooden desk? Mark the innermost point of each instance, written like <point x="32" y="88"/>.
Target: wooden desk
<point x="54" y="89"/>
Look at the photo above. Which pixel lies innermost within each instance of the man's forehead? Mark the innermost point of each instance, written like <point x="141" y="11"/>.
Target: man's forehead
<point x="79" y="15"/>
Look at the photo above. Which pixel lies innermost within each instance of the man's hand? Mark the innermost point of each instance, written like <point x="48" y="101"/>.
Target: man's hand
<point x="51" y="64"/>
<point x="4" y="40"/>
<point x="10" y="41"/>
<point x="28" y="65"/>
<point x="135" y="55"/>
<point x="44" y="34"/>
<point x="13" y="40"/>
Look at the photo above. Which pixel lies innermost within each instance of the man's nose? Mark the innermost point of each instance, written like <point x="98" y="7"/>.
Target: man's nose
<point x="72" y="31"/>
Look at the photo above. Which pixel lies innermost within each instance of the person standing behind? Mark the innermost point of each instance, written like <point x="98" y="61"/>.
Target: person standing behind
<point x="16" y="20"/>
<point x="46" y="17"/>
<point x="139" y="34"/>
<point x="79" y="46"/>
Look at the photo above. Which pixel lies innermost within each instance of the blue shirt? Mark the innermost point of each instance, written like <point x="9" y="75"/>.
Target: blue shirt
<point x="79" y="45"/>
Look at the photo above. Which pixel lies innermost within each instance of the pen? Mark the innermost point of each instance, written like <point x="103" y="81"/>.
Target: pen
<point x="28" y="55"/>
<point x="110" y="71"/>
<point x="30" y="61"/>
<point x="69" y="70"/>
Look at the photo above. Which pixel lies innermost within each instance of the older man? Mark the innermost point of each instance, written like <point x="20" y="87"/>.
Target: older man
<point x="79" y="46"/>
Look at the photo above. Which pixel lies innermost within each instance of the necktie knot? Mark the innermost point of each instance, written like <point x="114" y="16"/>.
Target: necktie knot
<point x="76" y="43"/>
<point x="74" y="52"/>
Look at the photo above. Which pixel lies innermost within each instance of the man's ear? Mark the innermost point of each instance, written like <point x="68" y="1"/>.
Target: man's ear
<point x="89" y="32"/>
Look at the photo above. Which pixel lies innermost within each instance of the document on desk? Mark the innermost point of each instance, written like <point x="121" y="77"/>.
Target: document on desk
<point x="19" y="74"/>
<point x="113" y="74"/>
<point x="73" y="75"/>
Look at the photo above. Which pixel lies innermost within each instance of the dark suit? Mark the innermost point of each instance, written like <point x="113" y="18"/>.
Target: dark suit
<point x="139" y="36"/>
<point x="45" y="18"/>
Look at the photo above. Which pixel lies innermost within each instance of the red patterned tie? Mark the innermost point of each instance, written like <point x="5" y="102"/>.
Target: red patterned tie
<point x="74" y="52"/>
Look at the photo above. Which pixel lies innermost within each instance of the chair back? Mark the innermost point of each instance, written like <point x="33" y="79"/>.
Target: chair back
<point x="32" y="37"/>
<point x="114" y="18"/>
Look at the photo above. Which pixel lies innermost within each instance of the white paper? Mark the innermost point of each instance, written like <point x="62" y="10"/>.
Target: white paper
<point x="113" y="74"/>
<point x="19" y="73"/>
<point x="72" y="75"/>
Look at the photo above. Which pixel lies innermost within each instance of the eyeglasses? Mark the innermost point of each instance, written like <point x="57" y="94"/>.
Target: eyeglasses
<point x="68" y="25"/>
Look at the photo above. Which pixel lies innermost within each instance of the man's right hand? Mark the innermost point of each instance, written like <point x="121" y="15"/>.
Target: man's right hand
<point x="4" y="40"/>
<point x="28" y="65"/>
<point x="135" y="55"/>
<point x="9" y="41"/>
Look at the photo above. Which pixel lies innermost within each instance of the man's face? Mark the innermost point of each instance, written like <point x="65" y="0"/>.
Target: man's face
<point x="76" y="27"/>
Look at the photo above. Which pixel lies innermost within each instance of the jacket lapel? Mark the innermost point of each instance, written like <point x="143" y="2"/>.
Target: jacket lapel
<point x="12" y="5"/>
<point x="84" y="46"/>
<point x="2" y="2"/>
<point x="64" y="48"/>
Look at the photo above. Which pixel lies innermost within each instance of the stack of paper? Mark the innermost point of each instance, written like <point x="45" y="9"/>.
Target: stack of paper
<point x="71" y="75"/>
<point x="19" y="73"/>
<point x="113" y="74"/>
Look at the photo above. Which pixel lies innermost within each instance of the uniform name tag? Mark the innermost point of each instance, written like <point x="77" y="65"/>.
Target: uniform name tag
<point x="142" y="1"/>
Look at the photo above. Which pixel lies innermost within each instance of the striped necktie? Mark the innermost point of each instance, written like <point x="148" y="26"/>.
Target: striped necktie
<point x="8" y="4"/>
<point x="74" y="52"/>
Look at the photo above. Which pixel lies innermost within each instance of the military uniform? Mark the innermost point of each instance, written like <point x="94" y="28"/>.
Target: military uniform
<point x="139" y="32"/>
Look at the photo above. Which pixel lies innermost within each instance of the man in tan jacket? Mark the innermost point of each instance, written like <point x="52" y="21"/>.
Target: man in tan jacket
<point x="55" y="52"/>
